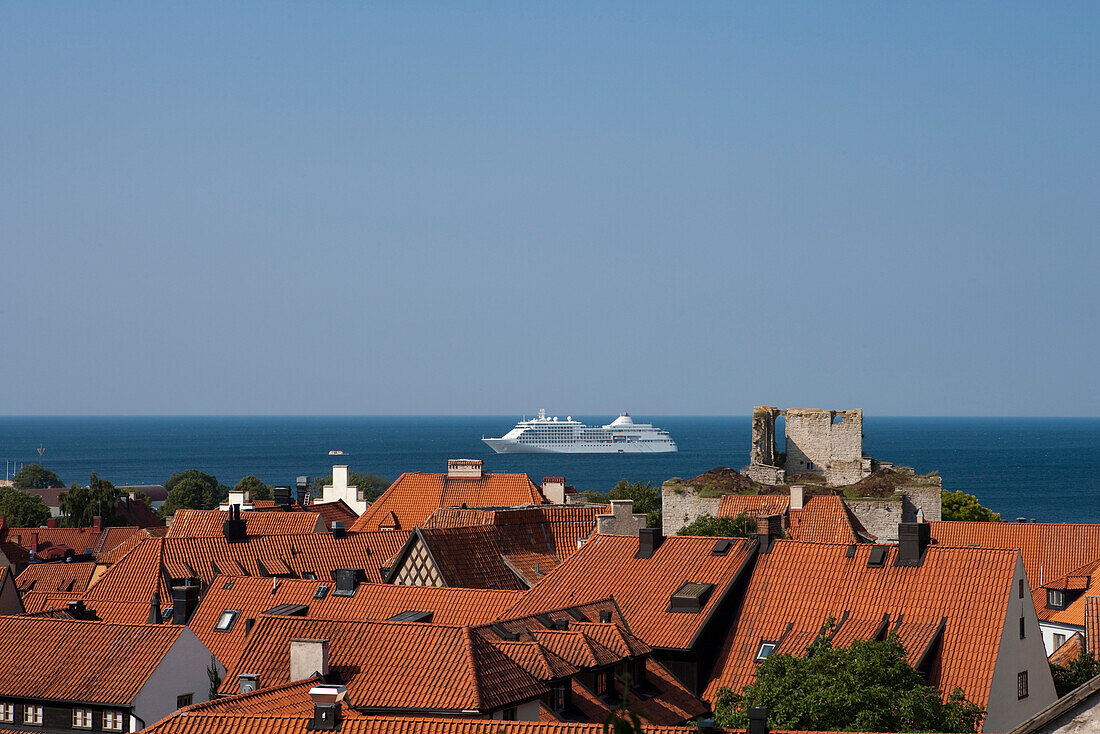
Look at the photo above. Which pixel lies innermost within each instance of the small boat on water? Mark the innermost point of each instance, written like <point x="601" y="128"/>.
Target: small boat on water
<point x="336" y="452"/>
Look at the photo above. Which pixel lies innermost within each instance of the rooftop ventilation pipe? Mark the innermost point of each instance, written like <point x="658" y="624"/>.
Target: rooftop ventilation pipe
<point x="248" y="682"/>
<point x="649" y="539"/>
<point x="154" y="609"/>
<point x="913" y="541"/>
<point x="326" y="707"/>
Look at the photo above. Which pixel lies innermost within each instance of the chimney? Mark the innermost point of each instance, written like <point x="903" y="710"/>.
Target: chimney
<point x="797" y="497"/>
<point x="308" y="658"/>
<point x="553" y="488"/>
<point x="339" y="482"/>
<point x="77" y="610"/>
<point x="326" y="707"/>
<point x="347" y="581"/>
<point x="920" y="515"/>
<point x="758" y="720"/>
<point x="154" y="610"/>
<point x="302" y="486"/>
<point x="913" y="541"/>
<point x="769" y="528"/>
<point x="52" y="522"/>
<point x="185" y="597"/>
<point x="707" y="726"/>
<point x="648" y="541"/>
<point x="248" y="682"/>
<point x="281" y="495"/>
<point x="465" y="468"/>
<point x="34" y="542"/>
<point x="97" y="524"/>
<point x="234" y="528"/>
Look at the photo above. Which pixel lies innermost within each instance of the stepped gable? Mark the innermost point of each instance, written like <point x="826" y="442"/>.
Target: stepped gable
<point x="959" y="594"/>
<point x="79" y="661"/>
<point x="211" y="523"/>
<point x="394" y="665"/>
<point x="56" y="576"/>
<point x="643" y="587"/>
<point x="252" y="597"/>
<point x="1059" y="556"/>
<point x="416" y="495"/>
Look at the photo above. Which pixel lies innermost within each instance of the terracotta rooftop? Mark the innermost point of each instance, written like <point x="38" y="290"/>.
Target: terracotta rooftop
<point x="416" y="495"/>
<point x="1092" y="624"/>
<point x="961" y="593"/>
<point x="79" y="661"/>
<point x="1069" y="650"/>
<point x="252" y="596"/>
<point x="826" y="519"/>
<point x="51" y="543"/>
<point x="562" y="526"/>
<point x="211" y="523"/>
<point x="119" y="612"/>
<point x="56" y="576"/>
<point x="394" y="665"/>
<point x="643" y="587"/>
<point x="753" y="505"/>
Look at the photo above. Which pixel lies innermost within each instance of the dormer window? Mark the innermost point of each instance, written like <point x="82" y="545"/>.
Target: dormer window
<point x="226" y="620"/>
<point x="766" y="648"/>
<point x="1056" y="599"/>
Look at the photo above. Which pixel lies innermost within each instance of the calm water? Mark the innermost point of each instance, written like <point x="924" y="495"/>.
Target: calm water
<point x="1047" y="469"/>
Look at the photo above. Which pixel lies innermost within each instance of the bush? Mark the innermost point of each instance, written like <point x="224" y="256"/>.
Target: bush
<point x="742" y="526"/>
<point x="961" y="506"/>
<point x="1081" y="669"/>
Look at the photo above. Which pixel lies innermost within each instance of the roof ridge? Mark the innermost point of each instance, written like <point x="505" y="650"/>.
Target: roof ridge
<point x="475" y="677"/>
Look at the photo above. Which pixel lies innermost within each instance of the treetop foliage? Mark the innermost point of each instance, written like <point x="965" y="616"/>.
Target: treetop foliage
<point x="868" y="686"/>
<point x="35" y="476"/>
<point x="647" y="498"/>
<point x="742" y="526"/>
<point x="257" y="489"/>
<point x="192" y="489"/>
<point x="961" y="506"/>
<point x="22" y="510"/>
<point x="80" y="505"/>
<point x="1080" y="670"/>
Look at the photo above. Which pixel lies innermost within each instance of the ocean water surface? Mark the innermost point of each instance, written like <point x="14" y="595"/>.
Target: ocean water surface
<point x="1042" y="468"/>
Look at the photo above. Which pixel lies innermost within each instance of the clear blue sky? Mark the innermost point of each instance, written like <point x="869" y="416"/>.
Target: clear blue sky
<point x="679" y="208"/>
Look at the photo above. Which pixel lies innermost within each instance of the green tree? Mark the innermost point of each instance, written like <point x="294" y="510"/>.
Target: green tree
<point x="371" y="485"/>
<point x="742" y="526"/>
<point x="81" y="504"/>
<point x="1081" y="669"/>
<point x="192" y="489"/>
<point x="961" y="506"/>
<point x="647" y="498"/>
<point x="35" y="476"/>
<point x="22" y="510"/>
<point x="868" y="686"/>
<point x="257" y="490"/>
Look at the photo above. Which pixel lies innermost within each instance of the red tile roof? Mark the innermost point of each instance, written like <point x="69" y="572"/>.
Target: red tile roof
<point x="1069" y="650"/>
<point x="252" y="596"/>
<point x="56" y="576"/>
<point x="394" y="665"/>
<point x="1092" y="624"/>
<point x="753" y="505"/>
<point x="416" y="495"/>
<point x="79" y="661"/>
<point x="120" y="612"/>
<point x="562" y="526"/>
<point x="59" y="542"/>
<point x="826" y="519"/>
<point x="484" y="556"/>
<point x="798" y="586"/>
<point x="211" y="523"/>
<point x="642" y="587"/>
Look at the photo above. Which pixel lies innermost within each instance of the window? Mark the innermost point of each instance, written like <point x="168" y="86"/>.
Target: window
<point x="765" y="649"/>
<point x="1021" y="588"/>
<point x="225" y="622"/>
<point x="1023" y="633"/>
<point x="508" y="714"/>
<point x="602" y="685"/>
<point x="112" y="720"/>
<point x="1059" y="640"/>
<point x="184" y="700"/>
<point x="7" y="713"/>
<point x="1021" y="685"/>
<point x="32" y="715"/>
<point x="1056" y="599"/>
<point x="82" y="718"/>
<point x="558" y="700"/>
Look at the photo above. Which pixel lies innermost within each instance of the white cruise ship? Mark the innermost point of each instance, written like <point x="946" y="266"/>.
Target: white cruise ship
<point x="548" y="435"/>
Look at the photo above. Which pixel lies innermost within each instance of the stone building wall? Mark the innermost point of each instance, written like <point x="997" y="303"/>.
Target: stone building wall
<point x="681" y="504"/>
<point x="818" y="440"/>
<point x="620" y="519"/>
<point x="881" y="516"/>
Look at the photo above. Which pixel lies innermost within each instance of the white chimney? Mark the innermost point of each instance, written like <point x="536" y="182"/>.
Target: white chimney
<point x="797" y="494"/>
<point x="465" y="468"/>
<point x="553" y="488"/>
<point x="241" y="498"/>
<point x="308" y="657"/>
<point x="339" y="490"/>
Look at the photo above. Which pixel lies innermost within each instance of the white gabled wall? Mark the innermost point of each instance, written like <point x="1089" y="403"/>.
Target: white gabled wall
<point x="182" y="670"/>
<point x="1050" y="629"/>
<point x="1005" y="710"/>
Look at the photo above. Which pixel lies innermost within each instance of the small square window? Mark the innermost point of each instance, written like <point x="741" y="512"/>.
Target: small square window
<point x="1056" y="599"/>
<point x="7" y="713"/>
<point x="1059" y="640"/>
<point x="321" y="592"/>
<point x="184" y="700"/>
<point x="226" y="620"/>
<point x="765" y="649"/>
<point x="32" y="715"/>
<point x="112" y="720"/>
<point x="1021" y="685"/>
<point x="82" y="718"/>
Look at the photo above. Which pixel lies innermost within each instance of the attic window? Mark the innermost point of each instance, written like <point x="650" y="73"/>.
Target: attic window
<point x="1056" y="599"/>
<point x="226" y="620"/>
<point x="690" y="597"/>
<point x="411" y="615"/>
<point x="309" y="575"/>
<point x="722" y="547"/>
<point x="289" y="610"/>
<point x="166" y="615"/>
<point x="877" y="559"/>
<point x="321" y="593"/>
<point x="766" y="648"/>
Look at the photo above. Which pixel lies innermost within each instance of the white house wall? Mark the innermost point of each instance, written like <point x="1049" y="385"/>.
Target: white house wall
<point x="181" y="671"/>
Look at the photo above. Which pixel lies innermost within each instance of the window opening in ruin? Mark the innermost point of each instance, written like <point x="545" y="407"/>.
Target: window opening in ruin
<point x="780" y="437"/>
<point x="838" y="419"/>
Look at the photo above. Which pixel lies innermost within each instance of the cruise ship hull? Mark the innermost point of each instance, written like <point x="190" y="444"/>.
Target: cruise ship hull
<point x="504" y="446"/>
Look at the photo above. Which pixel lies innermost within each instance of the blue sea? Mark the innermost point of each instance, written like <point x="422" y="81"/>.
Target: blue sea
<point x="1042" y="468"/>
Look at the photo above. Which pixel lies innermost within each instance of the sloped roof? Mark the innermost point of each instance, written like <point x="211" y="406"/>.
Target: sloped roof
<point x="119" y="612"/>
<point x="416" y="495"/>
<point x="1092" y="624"/>
<point x="537" y="659"/>
<point x="673" y="704"/>
<point x="642" y="587"/>
<point x="563" y="526"/>
<point x="485" y="556"/>
<point x="211" y="523"/>
<point x="286" y="699"/>
<point x="826" y="519"/>
<point x="797" y="586"/>
<point x="753" y="505"/>
<point x="79" y="661"/>
<point x="252" y="596"/>
<point x="394" y="665"/>
<point x="1069" y="650"/>
<point x="56" y="576"/>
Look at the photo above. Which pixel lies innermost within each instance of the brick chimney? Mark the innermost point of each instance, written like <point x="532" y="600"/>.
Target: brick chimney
<point x="769" y="528"/>
<point x="307" y="658"/>
<point x="326" y="707"/>
<point x="97" y="524"/>
<point x="52" y="522"/>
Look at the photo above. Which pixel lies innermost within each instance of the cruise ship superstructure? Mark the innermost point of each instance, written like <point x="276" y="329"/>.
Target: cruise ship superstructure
<point x="549" y="435"/>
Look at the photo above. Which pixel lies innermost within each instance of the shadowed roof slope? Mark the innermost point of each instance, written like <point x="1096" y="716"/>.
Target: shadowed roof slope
<point x="211" y="523"/>
<point x="416" y="495"/>
<point x="79" y="661"/>
<point x="56" y="576"/>
<point x="642" y="587"/>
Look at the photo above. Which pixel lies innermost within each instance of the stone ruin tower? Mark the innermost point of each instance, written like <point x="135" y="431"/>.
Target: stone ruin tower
<point x="825" y="442"/>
